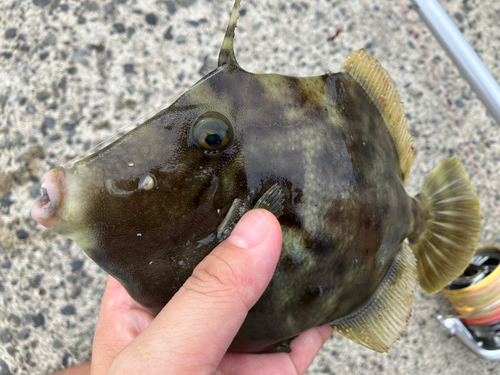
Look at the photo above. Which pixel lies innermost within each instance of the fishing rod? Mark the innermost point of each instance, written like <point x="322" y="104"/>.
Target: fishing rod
<point x="463" y="55"/>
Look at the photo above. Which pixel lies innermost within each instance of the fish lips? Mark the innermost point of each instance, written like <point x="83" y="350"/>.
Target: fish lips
<point x="44" y="211"/>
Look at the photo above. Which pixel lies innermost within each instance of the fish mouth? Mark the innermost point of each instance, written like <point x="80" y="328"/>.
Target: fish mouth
<point x="45" y="209"/>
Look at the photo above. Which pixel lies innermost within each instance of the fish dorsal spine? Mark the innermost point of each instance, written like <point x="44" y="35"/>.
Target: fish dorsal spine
<point x="226" y="54"/>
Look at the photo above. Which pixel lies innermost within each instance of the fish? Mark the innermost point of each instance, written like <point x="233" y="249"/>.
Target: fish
<point x="328" y="155"/>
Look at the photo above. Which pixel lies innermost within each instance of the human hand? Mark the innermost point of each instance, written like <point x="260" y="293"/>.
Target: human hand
<point x="192" y="333"/>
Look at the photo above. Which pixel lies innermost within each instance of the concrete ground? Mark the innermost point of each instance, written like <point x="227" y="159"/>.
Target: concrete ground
<point x="72" y="73"/>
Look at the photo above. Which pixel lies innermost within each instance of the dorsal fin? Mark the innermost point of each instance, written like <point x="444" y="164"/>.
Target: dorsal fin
<point x="381" y="89"/>
<point x="226" y="54"/>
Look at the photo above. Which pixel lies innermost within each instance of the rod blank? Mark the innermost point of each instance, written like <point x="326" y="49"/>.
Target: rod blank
<point x="465" y="58"/>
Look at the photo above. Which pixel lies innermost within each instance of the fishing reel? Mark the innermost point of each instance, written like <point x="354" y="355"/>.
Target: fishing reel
<point x="475" y="296"/>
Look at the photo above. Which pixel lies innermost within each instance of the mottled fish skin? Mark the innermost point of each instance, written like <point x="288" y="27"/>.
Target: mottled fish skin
<point x="321" y="139"/>
<point x="327" y="155"/>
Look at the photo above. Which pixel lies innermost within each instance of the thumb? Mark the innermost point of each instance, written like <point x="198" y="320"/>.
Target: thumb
<point x="193" y="331"/>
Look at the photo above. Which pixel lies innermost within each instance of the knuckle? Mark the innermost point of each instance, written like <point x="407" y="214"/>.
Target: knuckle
<point x="213" y="277"/>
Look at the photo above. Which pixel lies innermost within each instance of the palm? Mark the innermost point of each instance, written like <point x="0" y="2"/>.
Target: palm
<point x="122" y="320"/>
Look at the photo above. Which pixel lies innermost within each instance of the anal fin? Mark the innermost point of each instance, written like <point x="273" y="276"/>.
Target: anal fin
<point x="280" y="347"/>
<point x="380" y="323"/>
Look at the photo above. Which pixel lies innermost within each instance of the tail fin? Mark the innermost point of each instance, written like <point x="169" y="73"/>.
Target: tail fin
<point x="451" y="238"/>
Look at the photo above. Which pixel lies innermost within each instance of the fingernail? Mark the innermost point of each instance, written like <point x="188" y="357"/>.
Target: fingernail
<point x="250" y="230"/>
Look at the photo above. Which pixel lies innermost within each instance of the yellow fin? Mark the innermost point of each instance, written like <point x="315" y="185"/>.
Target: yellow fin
<point x="380" y="323"/>
<point x="379" y="86"/>
<point x="272" y="200"/>
<point x="453" y="224"/>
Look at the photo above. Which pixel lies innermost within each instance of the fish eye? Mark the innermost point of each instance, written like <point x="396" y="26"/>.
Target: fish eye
<point x="212" y="132"/>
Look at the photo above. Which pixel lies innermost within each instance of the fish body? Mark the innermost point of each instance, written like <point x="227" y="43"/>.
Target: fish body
<point x="328" y="155"/>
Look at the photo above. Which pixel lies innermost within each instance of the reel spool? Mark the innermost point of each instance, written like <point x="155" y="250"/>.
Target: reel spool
<point x="475" y="296"/>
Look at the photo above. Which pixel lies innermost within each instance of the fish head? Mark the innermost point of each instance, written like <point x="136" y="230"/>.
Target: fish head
<point x="147" y="206"/>
<point x="157" y="194"/>
<point x="179" y="167"/>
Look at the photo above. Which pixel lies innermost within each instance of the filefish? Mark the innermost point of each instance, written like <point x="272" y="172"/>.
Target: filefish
<point x="328" y="155"/>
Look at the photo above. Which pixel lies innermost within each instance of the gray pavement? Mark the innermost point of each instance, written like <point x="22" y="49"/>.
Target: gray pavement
<point x="72" y="73"/>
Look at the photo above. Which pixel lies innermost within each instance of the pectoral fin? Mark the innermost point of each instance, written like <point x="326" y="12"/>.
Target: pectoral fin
<point x="380" y="323"/>
<point x="272" y="200"/>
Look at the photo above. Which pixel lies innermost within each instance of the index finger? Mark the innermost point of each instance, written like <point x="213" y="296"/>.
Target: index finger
<point x="121" y="319"/>
<point x="304" y="349"/>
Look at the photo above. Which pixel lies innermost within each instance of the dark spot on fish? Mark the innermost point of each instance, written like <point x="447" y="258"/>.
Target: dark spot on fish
<point x="219" y="87"/>
<point x="389" y="175"/>
<point x="310" y="296"/>
<point x="309" y="99"/>
<point x="286" y="264"/>
<point x="366" y="149"/>
<point x="360" y="181"/>
<point x="349" y="302"/>
<point x="297" y="195"/>
<point x="341" y="98"/>
<point x="404" y="210"/>
<point x="289" y="219"/>
<point x="324" y="246"/>
<point x="374" y="132"/>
